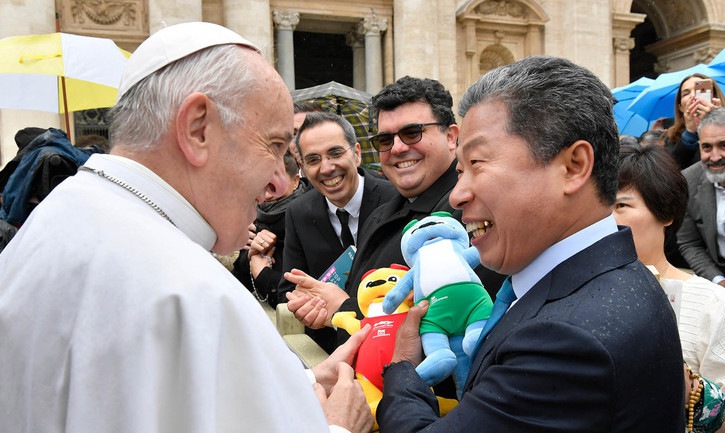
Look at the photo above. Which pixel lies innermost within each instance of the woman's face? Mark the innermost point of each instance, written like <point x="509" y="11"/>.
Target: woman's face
<point x="687" y="91"/>
<point x="649" y="233"/>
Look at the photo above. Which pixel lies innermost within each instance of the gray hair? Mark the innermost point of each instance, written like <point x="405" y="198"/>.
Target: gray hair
<point x="146" y="111"/>
<point x="714" y="117"/>
<point x="551" y="104"/>
<point x="320" y="117"/>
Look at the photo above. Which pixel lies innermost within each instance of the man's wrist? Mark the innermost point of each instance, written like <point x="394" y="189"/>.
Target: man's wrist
<point x="394" y="365"/>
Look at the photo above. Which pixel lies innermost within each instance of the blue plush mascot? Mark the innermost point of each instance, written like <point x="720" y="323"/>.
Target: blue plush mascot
<point x="441" y="270"/>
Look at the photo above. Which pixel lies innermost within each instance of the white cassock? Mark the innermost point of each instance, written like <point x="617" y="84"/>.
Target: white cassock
<point x="114" y="320"/>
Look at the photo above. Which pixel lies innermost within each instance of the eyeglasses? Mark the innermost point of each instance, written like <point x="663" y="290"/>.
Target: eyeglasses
<point x="314" y="159"/>
<point x="409" y="134"/>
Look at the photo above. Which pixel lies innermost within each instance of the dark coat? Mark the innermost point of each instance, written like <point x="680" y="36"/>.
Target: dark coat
<point x="592" y="347"/>
<point x="311" y="244"/>
<point x="697" y="237"/>
<point x="270" y="216"/>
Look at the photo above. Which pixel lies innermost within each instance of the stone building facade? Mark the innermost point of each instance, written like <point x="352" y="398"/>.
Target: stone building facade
<point x="367" y="44"/>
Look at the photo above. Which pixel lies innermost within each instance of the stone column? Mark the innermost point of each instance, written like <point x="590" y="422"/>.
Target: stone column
<point x="471" y="46"/>
<point x="251" y="19"/>
<point x="165" y="13"/>
<point x="534" y="40"/>
<point x="285" y="23"/>
<point x="356" y="39"/>
<point x="622" y="46"/>
<point x="388" y="60"/>
<point x="622" y="43"/>
<point x="373" y="27"/>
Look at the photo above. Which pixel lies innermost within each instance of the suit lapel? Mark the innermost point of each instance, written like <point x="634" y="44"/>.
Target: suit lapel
<point x="707" y="199"/>
<point x="370" y="200"/>
<point x="522" y="310"/>
<point x="321" y="221"/>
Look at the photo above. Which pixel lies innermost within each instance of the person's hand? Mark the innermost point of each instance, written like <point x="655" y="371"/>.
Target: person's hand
<point x="257" y="262"/>
<point x="407" y="340"/>
<point x="326" y="371"/>
<point x="722" y="283"/>
<point x="689" y="383"/>
<point x="689" y="115"/>
<point x="331" y="295"/>
<point x="252" y="230"/>
<point x="346" y="405"/>
<point x="309" y="310"/>
<point x="696" y="109"/>
<point x="263" y="242"/>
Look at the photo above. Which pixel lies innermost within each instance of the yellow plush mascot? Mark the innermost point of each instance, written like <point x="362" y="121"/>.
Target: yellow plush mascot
<point x="377" y="350"/>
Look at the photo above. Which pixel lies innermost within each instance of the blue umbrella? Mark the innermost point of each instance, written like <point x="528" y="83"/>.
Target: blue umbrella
<point x="630" y="123"/>
<point x="658" y="100"/>
<point x="719" y="61"/>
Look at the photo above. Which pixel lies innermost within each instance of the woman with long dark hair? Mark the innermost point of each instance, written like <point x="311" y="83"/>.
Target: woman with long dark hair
<point x="681" y="138"/>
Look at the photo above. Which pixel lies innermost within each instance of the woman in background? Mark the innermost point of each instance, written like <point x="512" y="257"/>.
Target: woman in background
<point x="651" y="200"/>
<point x="259" y="267"/>
<point x="681" y="138"/>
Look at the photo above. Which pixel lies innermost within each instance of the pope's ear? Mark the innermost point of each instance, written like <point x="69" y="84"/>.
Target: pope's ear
<point x="194" y="119"/>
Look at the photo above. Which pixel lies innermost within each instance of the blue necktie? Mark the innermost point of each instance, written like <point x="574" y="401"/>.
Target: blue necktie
<point x="504" y="298"/>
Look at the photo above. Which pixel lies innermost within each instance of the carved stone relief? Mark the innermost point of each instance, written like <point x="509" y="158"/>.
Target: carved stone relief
<point x="126" y="18"/>
<point x="494" y="56"/>
<point x="503" y="8"/>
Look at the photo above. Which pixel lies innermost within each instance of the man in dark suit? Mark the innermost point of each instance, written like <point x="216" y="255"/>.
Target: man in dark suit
<point x="591" y="343"/>
<point x="701" y="238"/>
<point x="417" y="141"/>
<point x="314" y="234"/>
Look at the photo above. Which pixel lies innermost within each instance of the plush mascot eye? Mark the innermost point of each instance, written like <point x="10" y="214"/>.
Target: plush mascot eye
<point x="393" y="279"/>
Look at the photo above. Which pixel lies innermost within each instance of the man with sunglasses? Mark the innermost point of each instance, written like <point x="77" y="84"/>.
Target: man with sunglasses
<point x="416" y="139"/>
<point x="316" y="229"/>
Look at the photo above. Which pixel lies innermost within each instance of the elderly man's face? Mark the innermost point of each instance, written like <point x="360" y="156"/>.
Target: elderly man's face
<point x="413" y="168"/>
<point x="249" y="159"/>
<point x="508" y="200"/>
<point x="712" y="152"/>
<point x="330" y="162"/>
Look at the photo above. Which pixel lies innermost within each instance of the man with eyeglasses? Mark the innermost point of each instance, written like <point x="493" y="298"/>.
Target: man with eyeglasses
<point x="324" y="221"/>
<point x="417" y="142"/>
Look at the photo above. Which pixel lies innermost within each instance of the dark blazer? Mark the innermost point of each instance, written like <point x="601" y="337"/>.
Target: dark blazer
<point x="697" y="237"/>
<point x="592" y="347"/>
<point x="311" y="244"/>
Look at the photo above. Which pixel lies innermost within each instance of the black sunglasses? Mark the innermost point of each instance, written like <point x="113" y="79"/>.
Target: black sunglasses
<point x="409" y="134"/>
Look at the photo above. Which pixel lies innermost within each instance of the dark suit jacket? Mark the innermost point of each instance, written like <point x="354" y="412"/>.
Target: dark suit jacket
<point x="592" y="347"/>
<point x="697" y="237"/>
<point x="311" y="244"/>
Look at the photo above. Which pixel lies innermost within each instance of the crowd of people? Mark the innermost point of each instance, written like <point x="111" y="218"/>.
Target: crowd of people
<point x="116" y="314"/>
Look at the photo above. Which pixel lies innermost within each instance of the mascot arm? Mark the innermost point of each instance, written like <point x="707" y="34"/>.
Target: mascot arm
<point x="346" y="320"/>
<point x="398" y="293"/>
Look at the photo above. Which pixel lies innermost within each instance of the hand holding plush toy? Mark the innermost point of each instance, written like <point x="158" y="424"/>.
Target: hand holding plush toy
<point x="377" y="349"/>
<point x="441" y="271"/>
